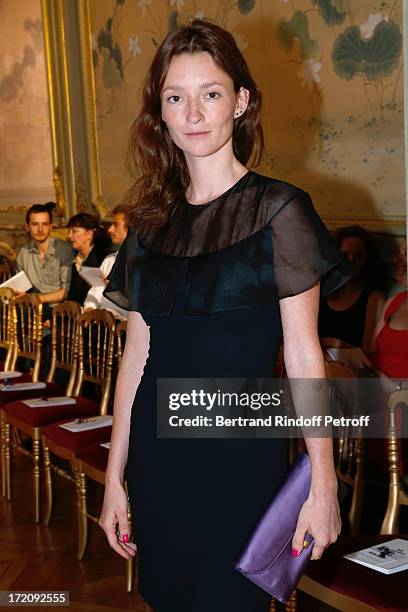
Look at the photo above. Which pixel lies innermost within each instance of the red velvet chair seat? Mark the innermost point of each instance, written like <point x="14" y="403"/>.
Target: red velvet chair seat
<point x="50" y="389"/>
<point x="75" y="441"/>
<point x="382" y="592"/>
<point x="40" y="417"/>
<point x="95" y="456"/>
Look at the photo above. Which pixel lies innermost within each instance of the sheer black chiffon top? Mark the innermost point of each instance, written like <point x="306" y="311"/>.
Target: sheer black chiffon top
<point x="258" y="242"/>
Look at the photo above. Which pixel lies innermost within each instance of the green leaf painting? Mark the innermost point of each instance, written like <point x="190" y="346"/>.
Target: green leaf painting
<point x="245" y="6"/>
<point x="297" y="27"/>
<point x="332" y="11"/>
<point x="105" y="37"/>
<point x="173" y="20"/>
<point x="112" y="56"/>
<point x="375" y="58"/>
<point x="336" y="112"/>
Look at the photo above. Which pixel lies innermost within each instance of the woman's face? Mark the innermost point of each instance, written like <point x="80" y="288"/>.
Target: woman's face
<point x="355" y="251"/>
<point x="80" y="238"/>
<point x="198" y="104"/>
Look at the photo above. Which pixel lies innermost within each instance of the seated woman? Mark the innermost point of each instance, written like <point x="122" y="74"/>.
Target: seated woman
<point x="91" y="241"/>
<point x="348" y="316"/>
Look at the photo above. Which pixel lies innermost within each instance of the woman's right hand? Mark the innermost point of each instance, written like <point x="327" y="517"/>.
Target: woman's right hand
<point x="114" y="520"/>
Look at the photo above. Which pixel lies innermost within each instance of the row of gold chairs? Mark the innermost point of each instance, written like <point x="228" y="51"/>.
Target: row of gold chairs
<point x="86" y="348"/>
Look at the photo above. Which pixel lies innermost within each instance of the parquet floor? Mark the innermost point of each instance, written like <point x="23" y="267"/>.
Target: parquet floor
<point x="34" y="557"/>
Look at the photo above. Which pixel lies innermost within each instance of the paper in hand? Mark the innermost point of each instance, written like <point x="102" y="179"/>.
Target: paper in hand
<point x="18" y="282"/>
<point x="93" y="276"/>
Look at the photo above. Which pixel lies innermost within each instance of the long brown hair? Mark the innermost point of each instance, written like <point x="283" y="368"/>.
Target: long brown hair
<point x="157" y="164"/>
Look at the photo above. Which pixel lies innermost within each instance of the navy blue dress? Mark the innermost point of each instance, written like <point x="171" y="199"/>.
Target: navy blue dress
<point x="208" y="284"/>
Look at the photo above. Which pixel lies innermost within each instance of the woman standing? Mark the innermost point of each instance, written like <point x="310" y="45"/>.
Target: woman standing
<point x="216" y="268"/>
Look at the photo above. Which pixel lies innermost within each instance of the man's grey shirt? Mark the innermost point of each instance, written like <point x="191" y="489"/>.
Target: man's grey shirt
<point x="51" y="273"/>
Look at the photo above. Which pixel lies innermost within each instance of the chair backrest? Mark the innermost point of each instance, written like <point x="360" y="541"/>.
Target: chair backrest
<point x="397" y="495"/>
<point x="6" y="325"/>
<point x="96" y="340"/>
<point x="348" y="451"/>
<point x="120" y="333"/>
<point x="64" y="342"/>
<point x="5" y="272"/>
<point x="27" y="330"/>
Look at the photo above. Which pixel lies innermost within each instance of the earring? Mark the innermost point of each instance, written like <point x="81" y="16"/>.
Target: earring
<point x="238" y="113"/>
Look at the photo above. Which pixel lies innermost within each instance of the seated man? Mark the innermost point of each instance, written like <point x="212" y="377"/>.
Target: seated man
<point x="45" y="260"/>
<point x="117" y="230"/>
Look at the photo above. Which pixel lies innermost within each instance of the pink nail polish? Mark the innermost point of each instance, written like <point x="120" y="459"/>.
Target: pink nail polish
<point x="294" y="553"/>
<point x="125" y="538"/>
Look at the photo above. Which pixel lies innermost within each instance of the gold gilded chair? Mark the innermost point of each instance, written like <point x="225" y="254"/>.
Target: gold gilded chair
<point x="30" y="421"/>
<point x="91" y="462"/>
<point x="6" y="326"/>
<point x="27" y="331"/>
<point x="7" y="346"/>
<point x="397" y="496"/>
<point x="96" y="335"/>
<point x="24" y="317"/>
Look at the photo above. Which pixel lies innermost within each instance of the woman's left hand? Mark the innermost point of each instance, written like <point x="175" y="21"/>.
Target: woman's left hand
<point x="319" y="516"/>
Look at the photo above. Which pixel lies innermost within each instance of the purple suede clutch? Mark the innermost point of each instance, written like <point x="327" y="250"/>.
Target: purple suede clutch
<point x="267" y="558"/>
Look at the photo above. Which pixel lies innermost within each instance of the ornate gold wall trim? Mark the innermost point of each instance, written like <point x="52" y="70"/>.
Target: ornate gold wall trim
<point x="90" y="105"/>
<point x="395" y="226"/>
<point x="66" y="98"/>
<point x="365" y="220"/>
<point x="71" y="89"/>
<point x="59" y="100"/>
<point x="50" y="80"/>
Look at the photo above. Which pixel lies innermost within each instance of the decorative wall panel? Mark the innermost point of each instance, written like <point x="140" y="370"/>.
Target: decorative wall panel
<point x="331" y="72"/>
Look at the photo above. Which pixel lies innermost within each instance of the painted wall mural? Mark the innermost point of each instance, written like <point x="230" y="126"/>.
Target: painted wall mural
<point x="332" y="81"/>
<point x="26" y="158"/>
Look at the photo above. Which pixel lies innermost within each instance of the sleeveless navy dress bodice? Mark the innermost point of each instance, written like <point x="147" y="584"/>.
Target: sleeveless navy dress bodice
<point x="208" y="284"/>
<point x="346" y="325"/>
